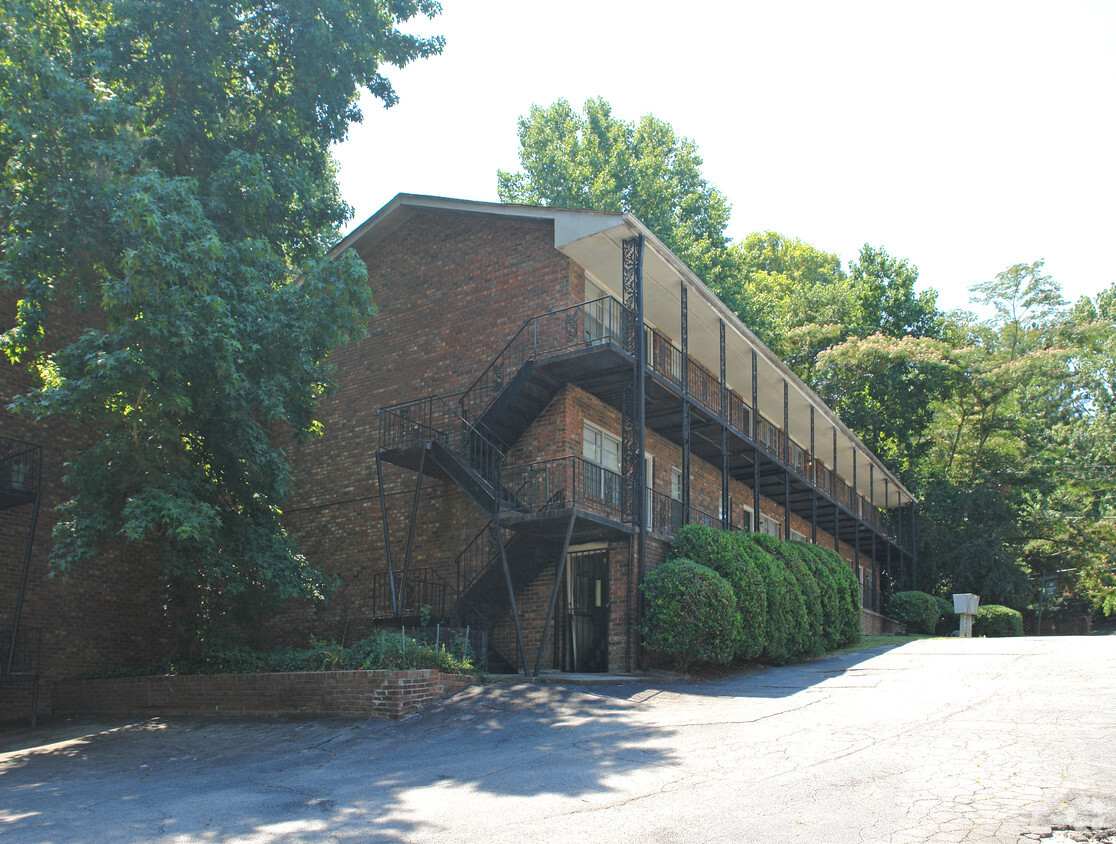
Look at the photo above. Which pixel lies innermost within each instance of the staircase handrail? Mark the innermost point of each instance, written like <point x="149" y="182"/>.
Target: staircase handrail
<point x="533" y="340"/>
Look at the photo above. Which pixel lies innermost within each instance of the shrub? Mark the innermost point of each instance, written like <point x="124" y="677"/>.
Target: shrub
<point x="834" y="630"/>
<point x="718" y="550"/>
<point x="786" y="613"/>
<point x="812" y="631"/>
<point x="848" y="593"/>
<point x="919" y="611"/>
<point x="949" y="621"/>
<point x="381" y="650"/>
<point x="794" y="599"/>
<point x="995" y="620"/>
<point x="691" y="614"/>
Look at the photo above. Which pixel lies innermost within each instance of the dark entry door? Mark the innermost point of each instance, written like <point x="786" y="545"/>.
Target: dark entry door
<point x="587" y="611"/>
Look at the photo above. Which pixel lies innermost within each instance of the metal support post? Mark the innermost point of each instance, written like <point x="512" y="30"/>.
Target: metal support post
<point x="755" y="446"/>
<point x="387" y="533"/>
<point x="813" y="484"/>
<point x="786" y="461"/>
<point x="559" y="573"/>
<point x="411" y="529"/>
<point x="22" y="592"/>
<point x="511" y="598"/>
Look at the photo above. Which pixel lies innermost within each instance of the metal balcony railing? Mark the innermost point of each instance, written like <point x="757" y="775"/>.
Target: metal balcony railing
<point x="568" y="482"/>
<point x="438" y="419"/>
<point x="424" y="587"/>
<point x="452" y="420"/>
<point x="589" y="324"/>
<point x="20" y="471"/>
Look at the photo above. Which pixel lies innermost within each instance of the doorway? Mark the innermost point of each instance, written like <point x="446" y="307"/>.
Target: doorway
<point x="585" y="645"/>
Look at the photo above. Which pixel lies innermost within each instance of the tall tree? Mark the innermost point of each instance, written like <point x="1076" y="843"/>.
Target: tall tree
<point x="596" y="160"/>
<point x="167" y="165"/>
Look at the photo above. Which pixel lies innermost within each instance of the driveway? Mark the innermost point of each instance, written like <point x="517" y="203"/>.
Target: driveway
<point x="937" y="740"/>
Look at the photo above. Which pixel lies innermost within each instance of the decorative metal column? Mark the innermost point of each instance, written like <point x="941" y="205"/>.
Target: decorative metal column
<point x="836" y="506"/>
<point x="633" y="444"/>
<point x="726" y="513"/>
<point x="813" y="484"/>
<point x="856" y="516"/>
<point x="685" y="406"/>
<point x="914" y="545"/>
<point x="786" y="461"/>
<point x="755" y="444"/>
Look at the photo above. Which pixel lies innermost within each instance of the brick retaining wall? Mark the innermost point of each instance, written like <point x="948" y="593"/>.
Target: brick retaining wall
<point x="874" y="624"/>
<point x="307" y="694"/>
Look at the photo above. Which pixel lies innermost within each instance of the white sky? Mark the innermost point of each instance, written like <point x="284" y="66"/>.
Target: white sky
<point x="963" y="136"/>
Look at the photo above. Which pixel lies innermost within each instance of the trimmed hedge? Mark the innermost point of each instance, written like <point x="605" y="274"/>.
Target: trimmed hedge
<point x="919" y="611"/>
<point x="995" y="620"/>
<point x="691" y="614"/>
<point x="795" y="600"/>
<point x="714" y="548"/>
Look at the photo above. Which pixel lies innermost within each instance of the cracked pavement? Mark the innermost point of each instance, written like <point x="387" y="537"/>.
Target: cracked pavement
<point x="940" y="740"/>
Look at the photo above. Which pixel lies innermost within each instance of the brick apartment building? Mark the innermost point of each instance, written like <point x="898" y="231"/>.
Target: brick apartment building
<point x="544" y="398"/>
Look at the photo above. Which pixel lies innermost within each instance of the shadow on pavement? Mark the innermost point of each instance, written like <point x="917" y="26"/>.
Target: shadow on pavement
<point x="315" y="781"/>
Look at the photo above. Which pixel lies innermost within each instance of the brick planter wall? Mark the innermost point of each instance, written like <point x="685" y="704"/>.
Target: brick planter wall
<point x="306" y="694"/>
<point x="874" y="624"/>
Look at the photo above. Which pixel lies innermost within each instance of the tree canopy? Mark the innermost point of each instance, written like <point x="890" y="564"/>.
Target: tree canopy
<point x="598" y="161"/>
<point x="166" y="167"/>
<point x="1003" y="426"/>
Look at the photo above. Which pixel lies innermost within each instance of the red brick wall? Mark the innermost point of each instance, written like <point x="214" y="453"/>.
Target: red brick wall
<point x="103" y="614"/>
<point x="451" y="291"/>
<point x="873" y="624"/>
<point x="308" y="694"/>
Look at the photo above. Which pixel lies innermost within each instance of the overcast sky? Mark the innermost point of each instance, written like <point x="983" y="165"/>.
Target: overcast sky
<point x="964" y="137"/>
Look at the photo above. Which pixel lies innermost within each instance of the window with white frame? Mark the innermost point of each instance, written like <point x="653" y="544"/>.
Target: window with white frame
<point x="771" y="526"/>
<point x="798" y="537"/>
<point x="749" y="519"/>
<point x="602" y="476"/>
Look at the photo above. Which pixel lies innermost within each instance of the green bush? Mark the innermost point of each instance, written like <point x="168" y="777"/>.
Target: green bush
<point x="836" y="631"/>
<point x="794" y="599"/>
<point x="919" y="611"/>
<point x="718" y="550"/>
<point x="949" y="621"/>
<point x="382" y="650"/>
<point x="691" y="614"/>
<point x="995" y="620"/>
<point x="848" y="593"/>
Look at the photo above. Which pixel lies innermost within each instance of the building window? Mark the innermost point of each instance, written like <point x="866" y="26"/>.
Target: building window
<point x="771" y="526"/>
<point x="677" y="518"/>
<point x="602" y="472"/>
<point x="595" y="312"/>
<point x="749" y="520"/>
<point x="798" y="537"/>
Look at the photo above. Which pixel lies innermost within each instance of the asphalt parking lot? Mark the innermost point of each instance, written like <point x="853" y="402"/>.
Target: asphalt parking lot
<point x="940" y="740"/>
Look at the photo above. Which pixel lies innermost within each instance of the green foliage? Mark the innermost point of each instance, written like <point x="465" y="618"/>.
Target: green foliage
<point x="996" y="620"/>
<point x="691" y="614"/>
<point x="948" y="623"/>
<point x="715" y="549"/>
<point x="919" y="611"/>
<point x="598" y="161"/>
<point x="808" y="600"/>
<point x="167" y="167"/>
<point x="390" y="651"/>
<point x="1005" y="428"/>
